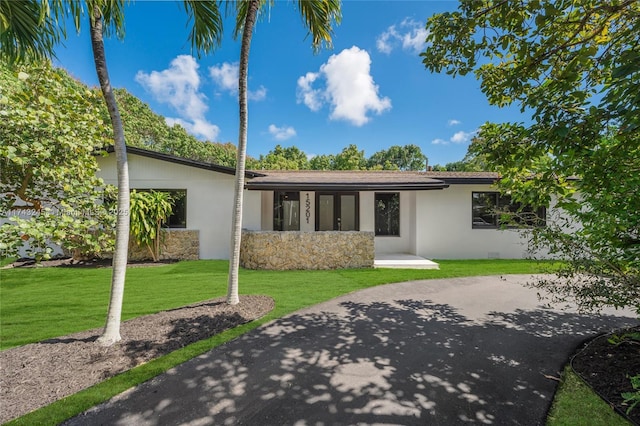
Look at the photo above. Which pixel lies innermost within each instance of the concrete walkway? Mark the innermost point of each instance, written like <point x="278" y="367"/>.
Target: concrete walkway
<point x="441" y="352"/>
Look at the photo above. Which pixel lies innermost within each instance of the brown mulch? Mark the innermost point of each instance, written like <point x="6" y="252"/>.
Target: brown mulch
<point x="35" y="375"/>
<point x="606" y="367"/>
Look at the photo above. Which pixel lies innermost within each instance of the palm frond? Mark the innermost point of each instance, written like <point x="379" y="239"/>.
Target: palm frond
<point x="27" y="31"/>
<point x="319" y="17"/>
<point x="206" y="32"/>
<point x="112" y="15"/>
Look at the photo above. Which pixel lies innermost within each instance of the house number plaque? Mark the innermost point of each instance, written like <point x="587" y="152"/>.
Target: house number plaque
<point x="307" y="205"/>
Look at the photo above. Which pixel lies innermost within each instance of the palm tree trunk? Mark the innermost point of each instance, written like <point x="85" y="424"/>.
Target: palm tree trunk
<point x="111" y="332"/>
<point x="236" y="220"/>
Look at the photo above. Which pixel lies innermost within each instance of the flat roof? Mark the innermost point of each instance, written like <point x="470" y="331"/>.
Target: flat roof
<point x="348" y="180"/>
<point x="465" y="178"/>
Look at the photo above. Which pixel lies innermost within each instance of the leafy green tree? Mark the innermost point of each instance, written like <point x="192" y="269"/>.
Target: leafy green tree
<point x="350" y="158"/>
<point x="472" y="162"/>
<point x="48" y="133"/>
<point x="319" y="17"/>
<point x="279" y="158"/>
<point x="149" y="211"/>
<point x="145" y="129"/>
<point x="407" y="157"/>
<point x="322" y="162"/>
<point x="22" y="42"/>
<point x="574" y="65"/>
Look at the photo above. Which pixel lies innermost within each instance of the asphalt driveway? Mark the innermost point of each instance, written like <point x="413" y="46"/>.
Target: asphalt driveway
<point x="440" y="352"/>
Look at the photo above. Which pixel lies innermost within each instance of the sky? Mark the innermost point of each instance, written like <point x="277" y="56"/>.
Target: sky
<point x="370" y="89"/>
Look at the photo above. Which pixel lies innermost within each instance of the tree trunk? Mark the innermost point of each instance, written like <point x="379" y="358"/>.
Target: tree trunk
<point x="111" y="332"/>
<point x="236" y="217"/>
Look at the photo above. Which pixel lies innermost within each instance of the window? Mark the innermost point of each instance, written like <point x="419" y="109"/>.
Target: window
<point x="493" y="210"/>
<point x="178" y="218"/>
<point x="337" y="211"/>
<point x="387" y="214"/>
<point x="286" y="211"/>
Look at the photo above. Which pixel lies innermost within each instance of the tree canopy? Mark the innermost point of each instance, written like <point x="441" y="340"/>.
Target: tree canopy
<point x="407" y="157"/>
<point x="49" y="131"/>
<point x="573" y="69"/>
<point x="289" y="158"/>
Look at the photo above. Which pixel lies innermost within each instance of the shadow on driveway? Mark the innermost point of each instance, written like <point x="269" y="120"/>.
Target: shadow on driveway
<point x="398" y="354"/>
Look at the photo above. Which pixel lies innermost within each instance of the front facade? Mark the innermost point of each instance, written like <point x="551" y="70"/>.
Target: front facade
<point x="438" y="215"/>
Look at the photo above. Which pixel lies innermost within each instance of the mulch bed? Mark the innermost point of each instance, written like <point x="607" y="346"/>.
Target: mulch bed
<point x="605" y="367"/>
<point x="35" y="375"/>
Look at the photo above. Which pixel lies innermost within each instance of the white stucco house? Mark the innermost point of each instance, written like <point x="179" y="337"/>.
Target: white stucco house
<point x="430" y="215"/>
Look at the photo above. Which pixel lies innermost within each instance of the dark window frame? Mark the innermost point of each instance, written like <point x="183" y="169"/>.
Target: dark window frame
<point x="497" y="204"/>
<point x="177" y="220"/>
<point x="278" y="213"/>
<point x="392" y="230"/>
<point x="336" y="208"/>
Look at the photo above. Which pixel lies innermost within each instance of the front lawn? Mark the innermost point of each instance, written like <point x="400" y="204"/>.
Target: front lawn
<point x="41" y="303"/>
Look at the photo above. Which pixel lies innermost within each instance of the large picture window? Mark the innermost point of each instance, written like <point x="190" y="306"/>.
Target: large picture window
<point x="178" y="218"/>
<point x="286" y="211"/>
<point x="387" y="213"/>
<point x="493" y="210"/>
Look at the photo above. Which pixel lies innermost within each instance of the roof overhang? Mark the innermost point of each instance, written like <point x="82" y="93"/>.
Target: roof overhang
<point x="336" y="181"/>
<point x="183" y="161"/>
<point x="342" y="187"/>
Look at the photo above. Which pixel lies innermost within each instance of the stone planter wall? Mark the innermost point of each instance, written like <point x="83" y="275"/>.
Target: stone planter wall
<point x="176" y="244"/>
<point x="286" y="250"/>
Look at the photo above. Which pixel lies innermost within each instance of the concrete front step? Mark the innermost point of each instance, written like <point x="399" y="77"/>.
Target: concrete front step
<point x="403" y="261"/>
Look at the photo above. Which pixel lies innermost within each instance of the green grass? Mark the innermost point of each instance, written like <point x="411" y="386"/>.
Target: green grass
<point x="576" y="404"/>
<point x="41" y="303"/>
<point x="77" y="298"/>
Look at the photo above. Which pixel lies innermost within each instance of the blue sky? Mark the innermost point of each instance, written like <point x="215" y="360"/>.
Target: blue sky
<point x="371" y="89"/>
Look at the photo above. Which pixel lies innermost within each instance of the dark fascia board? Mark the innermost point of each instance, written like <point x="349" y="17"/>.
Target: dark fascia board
<point x="344" y="187"/>
<point x="183" y="161"/>
<point x="468" y="180"/>
<point x="480" y="180"/>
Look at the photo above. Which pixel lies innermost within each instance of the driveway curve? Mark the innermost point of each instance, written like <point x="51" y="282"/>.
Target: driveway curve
<point x="476" y="350"/>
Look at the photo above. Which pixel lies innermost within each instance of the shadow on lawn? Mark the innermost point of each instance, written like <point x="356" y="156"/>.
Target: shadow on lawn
<point x="402" y="362"/>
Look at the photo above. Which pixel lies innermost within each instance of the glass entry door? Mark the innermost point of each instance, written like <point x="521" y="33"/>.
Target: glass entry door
<point x="337" y="212"/>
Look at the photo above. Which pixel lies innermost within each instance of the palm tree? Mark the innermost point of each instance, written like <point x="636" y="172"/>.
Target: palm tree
<point x="319" y="17"/>
<point x="30" y="31"/>
<point x="112" y="13"/>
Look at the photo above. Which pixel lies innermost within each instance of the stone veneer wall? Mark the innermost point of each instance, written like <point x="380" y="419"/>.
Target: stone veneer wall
<point x="283" y="250"/>
<point x="177" y="244"/>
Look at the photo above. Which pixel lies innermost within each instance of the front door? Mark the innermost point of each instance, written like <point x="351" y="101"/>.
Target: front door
<point x="336" y="211"/>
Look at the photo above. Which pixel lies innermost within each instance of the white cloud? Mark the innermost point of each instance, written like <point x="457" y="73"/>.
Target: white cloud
<point x="258" y="95"/>
<point x="178" y="86"/>
<point x="387" y="39"/>
<point x="350" y="90"/>
<point x="457" y="138"/>
<point x="281" y="133"/>
<point x="454" y="122"/>
<point x="225" y="76"/>
<point x="312" y="98"/>
<point x="410" y="36"/>
<point x="197" y="127"/>
<point x="461" y="137"/>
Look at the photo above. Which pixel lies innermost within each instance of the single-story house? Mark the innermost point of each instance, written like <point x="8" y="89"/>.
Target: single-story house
<point x="306" y="217"/>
